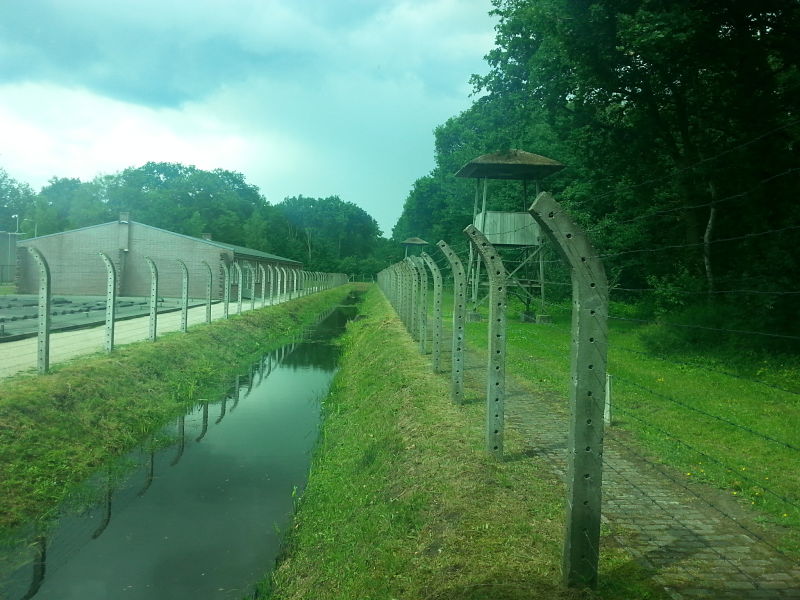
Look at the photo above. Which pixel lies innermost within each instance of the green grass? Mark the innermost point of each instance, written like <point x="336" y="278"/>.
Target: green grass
<point x="56" y="429"/>
<point x="7" y="288"/>
<point x="666" y="402"/>
<point x="403" y="501"/>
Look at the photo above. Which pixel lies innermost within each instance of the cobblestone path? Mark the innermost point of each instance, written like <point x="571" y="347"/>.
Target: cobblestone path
<point x="696" y="541"/>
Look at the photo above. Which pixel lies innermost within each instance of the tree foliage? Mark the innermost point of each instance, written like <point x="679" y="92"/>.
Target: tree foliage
<point x="326" y="234"/>
<point x="678" y="122"/>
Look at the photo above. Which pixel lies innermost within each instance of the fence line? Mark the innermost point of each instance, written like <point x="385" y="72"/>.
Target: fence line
<point x="74" y="336"/>
<point x="646" y="411"/>
<point x="405" y="285"/>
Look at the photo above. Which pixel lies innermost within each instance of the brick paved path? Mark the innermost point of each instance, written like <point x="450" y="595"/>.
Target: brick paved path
<point x="669" y="526"/>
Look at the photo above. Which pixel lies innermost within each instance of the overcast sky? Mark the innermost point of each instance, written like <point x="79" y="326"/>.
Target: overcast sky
<point x="312" y="97"/>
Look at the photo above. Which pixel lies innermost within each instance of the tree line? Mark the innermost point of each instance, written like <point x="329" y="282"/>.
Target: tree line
<point x="679" y="127"/>
<point x="326" y="234"/>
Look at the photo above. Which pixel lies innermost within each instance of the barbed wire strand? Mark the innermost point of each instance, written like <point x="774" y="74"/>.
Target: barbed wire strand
<point x="705" y="328"/>
<point x="708" y="457"/>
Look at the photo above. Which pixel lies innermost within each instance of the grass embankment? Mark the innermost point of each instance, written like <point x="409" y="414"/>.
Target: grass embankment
<point x="403" y="501"/>
<point x="56" y="429"/>
<point x="713" y="417"/>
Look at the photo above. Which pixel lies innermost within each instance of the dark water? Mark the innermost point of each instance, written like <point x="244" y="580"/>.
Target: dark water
<point x="197" y="512"/>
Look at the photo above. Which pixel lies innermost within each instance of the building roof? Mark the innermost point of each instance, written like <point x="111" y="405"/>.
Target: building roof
<point x="510" y="164"/>
<point x="236" y="249"/>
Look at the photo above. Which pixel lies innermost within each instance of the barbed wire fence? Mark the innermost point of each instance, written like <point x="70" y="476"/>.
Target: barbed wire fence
<point x="37" y="331"/>
<point x="745" y="453"/>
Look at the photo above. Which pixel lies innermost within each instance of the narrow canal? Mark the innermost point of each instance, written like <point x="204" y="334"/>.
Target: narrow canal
<point x="197" y="511"/>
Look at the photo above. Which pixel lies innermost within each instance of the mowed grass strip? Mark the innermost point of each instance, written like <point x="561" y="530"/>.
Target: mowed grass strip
<point x="55" y="429"/>
<point x="403" y="502"/>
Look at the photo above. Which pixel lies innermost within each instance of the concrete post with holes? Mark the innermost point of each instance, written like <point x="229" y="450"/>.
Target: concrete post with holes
<point x="437" y="311"/>
<point x="226" y="290"/>
<point x="111" y="300"/>
<point x="44" y="315"/>
<point x="496" y="368"/>
<point x="184" y="295"/>
<point x="459" y="320"/>
<point x="153" y="298"/>
<point x="405" y="270"/>
<point x="414" y="304"/>
<point x="209" y="289"/>
<point x="400" y="290"/>
<point x="252" y="286"/>
<point x="271" y="284"/>
<point x="587" y="391"/>
<point x="239" y="291"/>
<point x="262" y="272"/>
<point x="422" y="304"/>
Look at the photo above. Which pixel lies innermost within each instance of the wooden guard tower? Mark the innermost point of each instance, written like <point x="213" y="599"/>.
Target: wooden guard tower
<point x="515" y="233"/>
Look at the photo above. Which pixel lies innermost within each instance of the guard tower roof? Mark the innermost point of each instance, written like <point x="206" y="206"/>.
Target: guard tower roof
<point x="510" y="164"/>
<point x="414" y="241"/>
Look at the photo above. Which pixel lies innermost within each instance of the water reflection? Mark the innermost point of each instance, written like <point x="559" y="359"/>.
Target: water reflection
<point x="181" y="440"/>
<point x="106" y="511"/>
<point x="150" y="469"/>
<point x="204" y="429"/>
<point x="208" y="527"/>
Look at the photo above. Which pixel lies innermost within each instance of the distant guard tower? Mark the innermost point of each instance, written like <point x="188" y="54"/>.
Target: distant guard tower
<point x="413" y="242"/>
<point x="515" y="231"/>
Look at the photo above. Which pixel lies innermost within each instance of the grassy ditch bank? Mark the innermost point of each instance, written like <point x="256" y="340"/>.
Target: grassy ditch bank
<point x="56" y="429"/>
<point x="404" y="503"/>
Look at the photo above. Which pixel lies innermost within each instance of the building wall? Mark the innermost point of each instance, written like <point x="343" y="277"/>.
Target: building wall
<point x="509" y="228"/>
<point x="165" y="249"/>
<point x="76" y="267"/>
<point x="8" y="264"/>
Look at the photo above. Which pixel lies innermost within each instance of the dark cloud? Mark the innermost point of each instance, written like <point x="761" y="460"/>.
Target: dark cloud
<point x="132" y="61"/>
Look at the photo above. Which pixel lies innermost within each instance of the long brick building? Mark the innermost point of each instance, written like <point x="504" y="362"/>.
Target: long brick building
<point x="76" y="267"/>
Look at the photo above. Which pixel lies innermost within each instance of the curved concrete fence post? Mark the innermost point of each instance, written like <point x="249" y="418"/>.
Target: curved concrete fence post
<point x="271" y="283"/>
<point x="587" y="390"/>
<point x="496" y="368"/>
<point x="153" y="298"/>
<point x="111" y="299"/>
<point x="209" y="290"/>
<point x="437" y="310"/>
<point x="252" y="272"/>
<point x="422" y="305"/>
<point x="413" y="327"/>
<point x="459" y="319"/>
<point x="410" y="286"/>
<point x="226" y="289"/>
<point x="239" y="287"/>
<point x="184" y="295"/>
<point x="263" y="274"/>
<point x="44" y="315"/>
